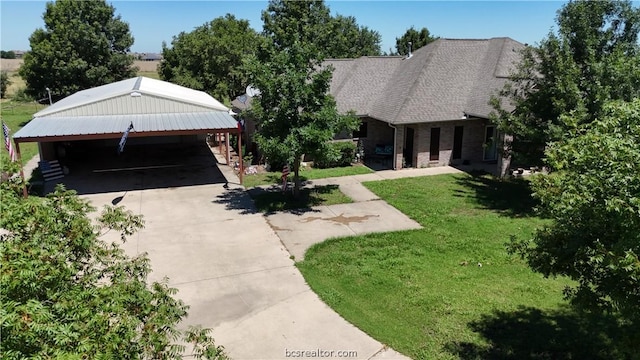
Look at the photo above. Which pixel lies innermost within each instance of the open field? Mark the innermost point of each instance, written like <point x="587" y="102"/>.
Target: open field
<point x="450" y="290"/>
<point x="12" y="65"/>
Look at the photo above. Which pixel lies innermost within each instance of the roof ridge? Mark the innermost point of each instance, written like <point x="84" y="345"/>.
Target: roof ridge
<point x="136" y="86"/>
<point x="351" y="71"/>
<point x="414" y="84"/>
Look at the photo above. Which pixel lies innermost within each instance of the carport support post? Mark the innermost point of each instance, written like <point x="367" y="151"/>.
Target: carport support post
<point x="24" y="181"/>
<point x="226" y="144"/>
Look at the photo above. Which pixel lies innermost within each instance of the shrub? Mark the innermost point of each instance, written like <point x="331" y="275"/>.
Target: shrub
<point x="340" y="153"/>
<point x="4" y="83"/>
<point x="21" y="96"/>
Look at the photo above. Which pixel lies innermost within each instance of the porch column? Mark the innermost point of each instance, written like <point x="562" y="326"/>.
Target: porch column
<point x="399" y="147"/>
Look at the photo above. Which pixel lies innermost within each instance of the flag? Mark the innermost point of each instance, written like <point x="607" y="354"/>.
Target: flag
<point x="7" y="142"/>
<point x="123" y="140"/>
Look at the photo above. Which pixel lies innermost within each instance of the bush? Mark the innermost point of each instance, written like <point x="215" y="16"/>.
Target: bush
<point x="339" y="154"/>
<point x="4" y="84"/>
<point x="21" y="96"/>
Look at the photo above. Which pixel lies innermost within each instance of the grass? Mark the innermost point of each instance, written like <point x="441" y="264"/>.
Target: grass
<point x="305" y="174"/>
<point x="16" y="115"/>
<point x="424" y="293"/>
<point x="272" y="201"/>
<point x="149" y="74"/>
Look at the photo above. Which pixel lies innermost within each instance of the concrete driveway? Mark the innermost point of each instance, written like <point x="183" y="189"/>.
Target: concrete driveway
<point x="232" y="269"/>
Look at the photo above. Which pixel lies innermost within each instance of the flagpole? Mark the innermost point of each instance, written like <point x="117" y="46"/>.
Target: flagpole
<point x="240" y="153"/>
<point x="25" y="193"/>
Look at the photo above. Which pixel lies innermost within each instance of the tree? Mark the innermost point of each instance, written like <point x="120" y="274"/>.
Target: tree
<point x="83" y="45"/>
<point x="209" y="57"/>
<point x="67" y="294"/>
<point x="4" y="83"/>
<point x="311" y="23"/>
<point x="296" y="114"/>
<point x="592" y="60"/>
<point x="417" y="39"/>
<point x="593" y="200"/>
<point x="7" y="54"/>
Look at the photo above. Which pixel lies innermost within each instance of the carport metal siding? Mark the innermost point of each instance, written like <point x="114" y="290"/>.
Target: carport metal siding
<point x="127" y="104"/>
<point x="54" y="128"/>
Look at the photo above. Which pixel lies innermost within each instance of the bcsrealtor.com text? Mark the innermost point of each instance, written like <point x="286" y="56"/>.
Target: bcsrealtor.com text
<point x="320" y="353"/>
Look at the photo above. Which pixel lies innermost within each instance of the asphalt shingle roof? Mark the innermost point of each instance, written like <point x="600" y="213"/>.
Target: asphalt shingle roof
<point x="441" y="81"/>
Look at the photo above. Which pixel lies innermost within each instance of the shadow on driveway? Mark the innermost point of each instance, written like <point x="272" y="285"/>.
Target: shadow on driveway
<point x="100" y="170"/>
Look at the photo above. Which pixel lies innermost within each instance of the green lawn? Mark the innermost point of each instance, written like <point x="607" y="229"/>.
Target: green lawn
<point x="267" y="178"/>
<point x="271" y="201"/>
<point x="424" y="293"/>
<point x="16" y="115"/>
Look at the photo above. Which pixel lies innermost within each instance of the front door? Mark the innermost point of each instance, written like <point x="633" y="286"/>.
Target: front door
<point x="434" y="146"/>
<point x="408" y="147"/>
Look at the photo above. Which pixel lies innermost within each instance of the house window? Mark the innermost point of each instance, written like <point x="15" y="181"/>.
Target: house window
<point x="490" y="144"/>
<point x="362" y="131"/>
<point x="434" y="147"/>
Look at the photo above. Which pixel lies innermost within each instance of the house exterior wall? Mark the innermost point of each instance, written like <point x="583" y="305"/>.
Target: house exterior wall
<point x="472" y="143"/>
<point x="378" y="133"/>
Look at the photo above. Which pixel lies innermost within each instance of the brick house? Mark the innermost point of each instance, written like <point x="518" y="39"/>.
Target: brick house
<point x="430" y="108"/>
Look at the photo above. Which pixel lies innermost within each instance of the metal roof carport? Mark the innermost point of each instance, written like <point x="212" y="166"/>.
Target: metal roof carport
<point x="154" y="107"/>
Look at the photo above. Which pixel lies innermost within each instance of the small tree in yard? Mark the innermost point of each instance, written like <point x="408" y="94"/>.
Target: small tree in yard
<point x="67" y="294"/>
<point x="296" y="114"/>
<point x="593" y="199"/>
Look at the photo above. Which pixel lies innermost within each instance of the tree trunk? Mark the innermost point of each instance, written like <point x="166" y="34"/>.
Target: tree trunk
<point x="296" y="178"/>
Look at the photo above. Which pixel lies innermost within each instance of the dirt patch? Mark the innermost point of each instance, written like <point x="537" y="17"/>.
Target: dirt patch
<point x="340" y="219"/>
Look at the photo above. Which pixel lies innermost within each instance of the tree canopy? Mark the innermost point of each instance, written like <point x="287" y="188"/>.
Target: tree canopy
<point x="593" y="59"/>
<point x="68" y="294"/>
<point x="7" y="54"/>
<point x="417" y="39"/>
<point x="296" y="114"/>
<point x="311" y="23"/>
<point x="593" y="200"/>
<point x="209" y="58"/>
<point x="83" y="45"/>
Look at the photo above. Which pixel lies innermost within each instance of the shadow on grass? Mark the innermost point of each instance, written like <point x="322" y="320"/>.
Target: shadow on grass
<point x="512" y="197"/>
<point x="273" y="199"/>
<point x="236" y="199"/>
<point x="530" y="333"/>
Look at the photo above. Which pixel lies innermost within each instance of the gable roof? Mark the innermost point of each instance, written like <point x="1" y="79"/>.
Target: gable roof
<point x="154" y="107"/>
<point x="139" y="95"/>
<point x="441" y="81"/>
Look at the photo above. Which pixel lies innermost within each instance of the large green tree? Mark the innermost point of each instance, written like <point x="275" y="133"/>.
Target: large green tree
<point x="593" y="200"/>
<point x="593" y="58"/>
<point x="82" y="45"/>
<point x="311" y="23"/>
<point x="296" y="114"/>
<point x="68" y="294"/>
<point x="209" y="57"/>
<point x="417" y="39"/>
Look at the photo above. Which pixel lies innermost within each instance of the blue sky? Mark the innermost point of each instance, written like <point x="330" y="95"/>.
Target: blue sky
<point x="152" y="22"/>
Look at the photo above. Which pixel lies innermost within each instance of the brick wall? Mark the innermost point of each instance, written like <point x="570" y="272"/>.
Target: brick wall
<point x="472" y="142"/>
